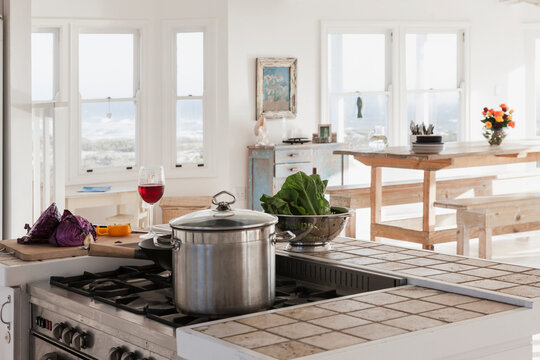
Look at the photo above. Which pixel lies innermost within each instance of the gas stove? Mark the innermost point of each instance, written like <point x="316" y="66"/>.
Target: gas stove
<point x="129" y="314"/>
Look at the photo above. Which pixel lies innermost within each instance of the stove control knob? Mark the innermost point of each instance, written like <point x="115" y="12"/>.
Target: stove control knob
<point x="57" y="330"/>
<point x="80" y="340"/>
<point x="128" y="356"/>
<point x="115" y="353"/>
<point x="67" y="335"/>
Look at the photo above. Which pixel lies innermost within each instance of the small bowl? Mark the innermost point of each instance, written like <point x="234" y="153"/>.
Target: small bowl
<point x="423" y="139"/>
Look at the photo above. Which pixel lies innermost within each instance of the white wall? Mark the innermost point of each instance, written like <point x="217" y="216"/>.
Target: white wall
<point x="259" y="28"/>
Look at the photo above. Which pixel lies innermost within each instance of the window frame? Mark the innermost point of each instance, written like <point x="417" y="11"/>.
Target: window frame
<point x="77" y="173"/>
<point x="77" y="176"/>
<point x="461" y="83"/>
<point x="531" y="35"/>
<point x="170" y="29"/>
<point x="397" y="130"/>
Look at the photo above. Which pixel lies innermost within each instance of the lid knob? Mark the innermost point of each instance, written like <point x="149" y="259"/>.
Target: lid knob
<point x="223" y="205"/>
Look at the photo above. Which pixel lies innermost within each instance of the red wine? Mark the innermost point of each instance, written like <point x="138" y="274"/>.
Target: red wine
<point x="151" y="193"/>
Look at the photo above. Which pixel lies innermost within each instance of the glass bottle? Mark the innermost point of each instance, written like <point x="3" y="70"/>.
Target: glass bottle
<point x="377" y="140"/>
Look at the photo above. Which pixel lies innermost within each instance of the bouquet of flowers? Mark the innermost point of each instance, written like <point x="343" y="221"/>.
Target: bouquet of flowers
<point x="495" y="121"/>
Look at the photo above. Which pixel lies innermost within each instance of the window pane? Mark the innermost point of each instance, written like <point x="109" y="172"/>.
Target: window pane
<point x="106" y="66"/>
<point x="537" y="85"/>
<point x="108" y="142"/>
<point x="439" y="109"/>
<point x="431" y="61"/>
<point x="189" y="132"/>
<point x="190" y="64"/>
<point x="42" y="66"/>
<point x="344" y="115"/>
<point x="357" y="62"/>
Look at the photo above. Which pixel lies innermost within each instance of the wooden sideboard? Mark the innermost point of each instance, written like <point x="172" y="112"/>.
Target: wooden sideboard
<point x="269" y="166"/>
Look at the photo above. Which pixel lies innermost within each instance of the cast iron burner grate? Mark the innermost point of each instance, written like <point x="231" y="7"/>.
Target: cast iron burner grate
<point x="147" y="290"/>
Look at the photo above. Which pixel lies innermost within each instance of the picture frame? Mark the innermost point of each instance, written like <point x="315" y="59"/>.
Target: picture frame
<point x="276" y="88"/>
<point x="325" y="131"/>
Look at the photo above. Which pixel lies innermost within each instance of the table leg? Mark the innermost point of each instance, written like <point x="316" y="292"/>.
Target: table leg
<point x="484" y="243"/>
<point x="375" y="198"/>
<point x="429" y="196"/>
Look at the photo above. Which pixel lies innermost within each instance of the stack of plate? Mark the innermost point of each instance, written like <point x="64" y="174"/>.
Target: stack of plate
<point x="427" y="148"/>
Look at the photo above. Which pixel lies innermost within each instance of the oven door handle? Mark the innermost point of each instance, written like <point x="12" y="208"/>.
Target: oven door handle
<point x="8" y="323"/>
<point x="49" y="356"/>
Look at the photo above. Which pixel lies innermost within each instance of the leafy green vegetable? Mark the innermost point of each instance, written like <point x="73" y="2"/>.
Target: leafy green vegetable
<point x="300" y="195"/>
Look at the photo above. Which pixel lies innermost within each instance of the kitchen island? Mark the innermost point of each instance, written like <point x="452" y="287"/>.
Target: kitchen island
<point x="452" y="307"/>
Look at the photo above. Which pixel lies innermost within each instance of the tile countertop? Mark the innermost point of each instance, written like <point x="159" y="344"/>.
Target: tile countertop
<point x="444" y="292"/>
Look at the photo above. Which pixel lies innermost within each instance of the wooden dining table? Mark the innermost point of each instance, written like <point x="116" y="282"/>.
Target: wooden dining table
<point x="454" y="156"/>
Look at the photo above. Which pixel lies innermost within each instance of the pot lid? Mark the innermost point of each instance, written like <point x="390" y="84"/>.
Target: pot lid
<point x="223" y="218"/>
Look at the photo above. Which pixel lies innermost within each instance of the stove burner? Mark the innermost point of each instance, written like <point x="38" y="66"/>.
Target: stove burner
<point x="147" y="290"/>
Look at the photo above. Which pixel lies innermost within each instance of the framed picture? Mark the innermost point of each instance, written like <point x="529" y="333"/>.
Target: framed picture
<point x="276" y="88"/>
<point x="325" y="131"/>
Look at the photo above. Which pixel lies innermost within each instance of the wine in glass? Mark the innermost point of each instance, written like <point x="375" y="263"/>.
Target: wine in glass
<point x="151" y="188"/>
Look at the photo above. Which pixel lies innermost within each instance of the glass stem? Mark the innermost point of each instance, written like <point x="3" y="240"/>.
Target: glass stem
<point x="151" y="219"/>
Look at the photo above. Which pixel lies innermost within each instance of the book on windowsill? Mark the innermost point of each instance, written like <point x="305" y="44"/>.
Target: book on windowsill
<point x="94" y="189"/>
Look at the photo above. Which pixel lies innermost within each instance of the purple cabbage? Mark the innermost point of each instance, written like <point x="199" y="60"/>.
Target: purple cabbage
<point x="43" y="228"/>
<point x="72" y="231"/>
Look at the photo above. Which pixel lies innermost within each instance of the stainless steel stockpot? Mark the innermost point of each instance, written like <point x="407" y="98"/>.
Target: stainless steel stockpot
<point x="224" y="260"/>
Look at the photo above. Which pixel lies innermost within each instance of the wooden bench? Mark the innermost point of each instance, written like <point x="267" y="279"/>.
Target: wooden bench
<point x="492" y="215"/>
<point x="398" y="193"/>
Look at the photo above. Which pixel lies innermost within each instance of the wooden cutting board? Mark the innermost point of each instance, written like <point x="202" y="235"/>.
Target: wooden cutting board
<point x="47" y="251"/>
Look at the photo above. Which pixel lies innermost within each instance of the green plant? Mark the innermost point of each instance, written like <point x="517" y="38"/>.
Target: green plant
<point x="300" y="195"/>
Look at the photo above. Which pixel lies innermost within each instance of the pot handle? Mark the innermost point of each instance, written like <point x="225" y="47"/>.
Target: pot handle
<point x="223" y="205"/>
<point x="284" y="236"/>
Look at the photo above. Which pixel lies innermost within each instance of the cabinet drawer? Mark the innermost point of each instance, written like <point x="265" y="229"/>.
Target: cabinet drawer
<point x="293" y="156"/>
<point x="284" y="170"/>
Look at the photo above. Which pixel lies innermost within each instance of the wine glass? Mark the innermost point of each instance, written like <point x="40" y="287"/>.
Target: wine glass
<point x="151" y="188"/>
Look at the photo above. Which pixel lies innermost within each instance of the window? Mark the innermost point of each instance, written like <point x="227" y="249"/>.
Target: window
<point x="388" y="76"/>
<point x="44" y="58"/>
<point x="108" y="84"/>
<point x="433" y="81"/>
<point x="190" y="98"/>
<point x="358" y="100"/>
<point x="44" y="85"/>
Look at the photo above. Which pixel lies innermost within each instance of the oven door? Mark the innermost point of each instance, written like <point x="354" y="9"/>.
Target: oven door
<point x="42" y="348"/>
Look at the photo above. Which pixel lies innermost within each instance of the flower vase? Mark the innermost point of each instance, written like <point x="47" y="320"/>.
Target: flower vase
<point x="494" y="137"/>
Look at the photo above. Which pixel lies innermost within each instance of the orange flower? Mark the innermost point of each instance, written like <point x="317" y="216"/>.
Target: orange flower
<point x="484" y="113"/>
<point x="509" y="117"/>
<point x="504" y="107"/>
<point x="489" y="113"/>
<point x="511" y="124"/>
<point x="488" y="124"/>
<point x="512" y="111"/>
<point x="498" y="113"/>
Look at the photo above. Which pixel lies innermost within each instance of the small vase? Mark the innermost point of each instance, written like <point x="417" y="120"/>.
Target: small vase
<point x="494" y="137"/>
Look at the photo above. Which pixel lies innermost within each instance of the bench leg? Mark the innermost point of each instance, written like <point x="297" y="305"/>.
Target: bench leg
<point x="463" y="235"/>
<point x="484" y="243"/>
<point x="350" y="230"/>
<point x="375" y="198"/>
